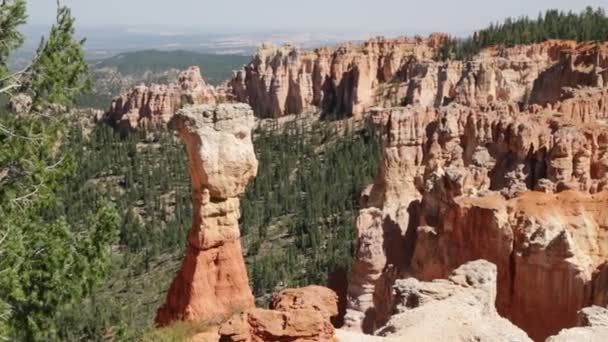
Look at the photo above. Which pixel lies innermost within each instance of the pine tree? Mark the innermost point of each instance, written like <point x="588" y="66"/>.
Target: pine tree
<point x="48" y="262"/>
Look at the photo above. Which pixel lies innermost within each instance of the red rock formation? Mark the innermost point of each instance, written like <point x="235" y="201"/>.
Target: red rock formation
<point x="551" y="241"/>
<point x="456" y="185"/>
<point x="282" y="81"/>
<point x="351" y="79"/>
<point x="582" y="65"/>
<point x="156" y="104"/>
<point x="212" y="282"/>
<point x="299" y="315"/>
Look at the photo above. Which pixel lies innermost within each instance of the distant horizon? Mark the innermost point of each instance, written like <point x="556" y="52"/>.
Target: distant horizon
<point x="128" y="30"/>
<point x="315" y="16"/>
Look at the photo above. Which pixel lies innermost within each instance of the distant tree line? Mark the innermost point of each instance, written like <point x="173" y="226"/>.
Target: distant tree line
<point x="589" y="25"/>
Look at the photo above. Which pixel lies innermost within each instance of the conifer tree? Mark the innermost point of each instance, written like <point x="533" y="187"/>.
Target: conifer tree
<point x="47" y="261"/>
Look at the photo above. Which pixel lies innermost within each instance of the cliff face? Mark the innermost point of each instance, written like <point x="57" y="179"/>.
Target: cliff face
<point x="553" y="242"/>
<point x="456" y="185"/>
<point x="592" y="326"/>
<point x="212" y="282"/>
<point x="351" y="79"/>
<point x="459" y="308"/>
<point x="156" y="104"/>
<point x="282" y="81"/>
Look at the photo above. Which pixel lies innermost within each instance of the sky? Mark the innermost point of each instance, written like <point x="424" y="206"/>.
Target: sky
<point x="452" y="16"/>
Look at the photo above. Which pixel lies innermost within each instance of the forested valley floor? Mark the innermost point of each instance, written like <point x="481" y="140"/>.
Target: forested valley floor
<point x="297" y="216"/>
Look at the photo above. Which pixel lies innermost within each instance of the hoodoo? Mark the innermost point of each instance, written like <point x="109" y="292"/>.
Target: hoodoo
<point x="212" y="282"/>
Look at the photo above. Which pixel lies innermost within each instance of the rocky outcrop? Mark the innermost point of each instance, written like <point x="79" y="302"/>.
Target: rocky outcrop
<point x="351" y="79"/>
<point x="584" y="65"/>
<point x="281" y="81"/>
<point x="550" y="241"/>
<point x="460" y="308"/>
<point x="212" y="282"/>
<point x="592" y="327"/>
<point x="299" y="315"/>
<point x="383" y="227"/>
<point x="155" y="105"/>
<point x="521" y="189"/>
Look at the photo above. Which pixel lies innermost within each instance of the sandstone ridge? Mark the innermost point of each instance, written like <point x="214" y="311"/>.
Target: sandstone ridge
<point x="352" y="78"/>
<point x="154" y="105"/>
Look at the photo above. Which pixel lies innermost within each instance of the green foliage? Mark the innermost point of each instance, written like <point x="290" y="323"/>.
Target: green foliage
<point x="12" y="15"/>
<point x="296" y="229"/>
<point x="147" y="179"/>
<point x="589" y="25"/>
<point x="59" y="72"/>
<point x="306" y="192"/>
<point x="49" y="261"/>
<point x="5" y="313"/>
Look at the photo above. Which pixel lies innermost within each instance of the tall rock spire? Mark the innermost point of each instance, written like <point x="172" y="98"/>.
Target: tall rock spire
<point x="212" y="282"/>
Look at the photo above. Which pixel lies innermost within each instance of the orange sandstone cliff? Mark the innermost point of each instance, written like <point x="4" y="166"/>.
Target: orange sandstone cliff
<point x="344" y="80"/>
<point x="524" y="190"/>
<point x="352" y="78"/>
<point x="155" y="105"/>
<point x="503" y="158"/>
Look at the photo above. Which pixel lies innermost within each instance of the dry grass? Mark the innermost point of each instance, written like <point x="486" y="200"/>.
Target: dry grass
<point x="177" y="332"/>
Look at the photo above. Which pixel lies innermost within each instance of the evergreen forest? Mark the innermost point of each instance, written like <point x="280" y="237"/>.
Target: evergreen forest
<point x="591" y="25"/>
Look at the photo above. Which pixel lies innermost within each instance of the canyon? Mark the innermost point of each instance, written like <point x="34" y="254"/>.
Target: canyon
<point x="521" y="188"/>
<point x="490" y="193"/>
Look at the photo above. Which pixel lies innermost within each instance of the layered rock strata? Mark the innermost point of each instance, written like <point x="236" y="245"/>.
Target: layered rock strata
<point x="155" y="105"/>
<point x="553" y="242"/>
<point x="350" y="79"/>
<point x="212" y="282"/>
<point x="298" y="315"/>
<point x="523" y="190"/>
<point x="285" y="80"/>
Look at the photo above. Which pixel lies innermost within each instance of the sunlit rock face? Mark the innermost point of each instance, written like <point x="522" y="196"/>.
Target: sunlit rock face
<point x="155" y="105"/>
<point x="212" y="282"/>
<point x="523" y="189"/>
<point x="298" y="315"/>
<point x="343" y="81"/>
<point x="459" y="308"/>
<point x="592" y="326"/>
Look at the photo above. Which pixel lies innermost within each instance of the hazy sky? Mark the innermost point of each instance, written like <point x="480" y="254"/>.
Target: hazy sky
<point x="362" y="15"/>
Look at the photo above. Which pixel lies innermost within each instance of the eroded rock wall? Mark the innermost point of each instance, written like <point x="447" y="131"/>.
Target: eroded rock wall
<point x="345" y="80"/>
<point x="154" y="105"/>
<point x="522" y="189"/>
<point x="351" y="79"/>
